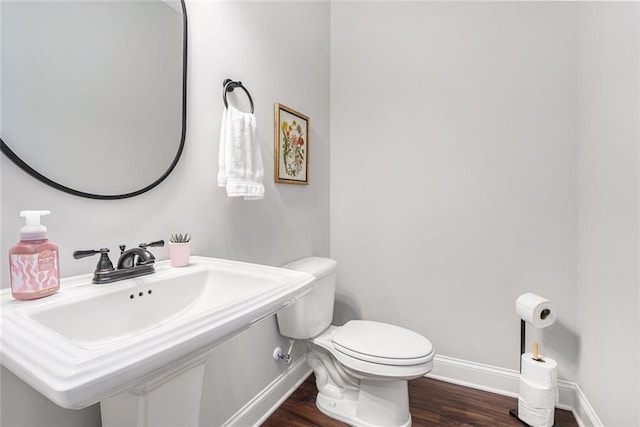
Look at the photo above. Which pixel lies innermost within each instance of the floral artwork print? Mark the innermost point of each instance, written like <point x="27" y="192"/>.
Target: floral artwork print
<point x="291" y="146"/>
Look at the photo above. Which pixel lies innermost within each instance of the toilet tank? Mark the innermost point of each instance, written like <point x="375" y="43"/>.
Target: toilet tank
<point x="312" y="313"/>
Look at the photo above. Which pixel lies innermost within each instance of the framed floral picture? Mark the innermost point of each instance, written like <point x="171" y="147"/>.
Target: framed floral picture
<point x="291" y="155"/>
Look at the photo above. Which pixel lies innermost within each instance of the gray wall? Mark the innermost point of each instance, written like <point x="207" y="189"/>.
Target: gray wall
<point x="608" y="215"/>
<point x="453" y="176"/>
<point x="244" y="41"/>
<point x="492" y="149"/>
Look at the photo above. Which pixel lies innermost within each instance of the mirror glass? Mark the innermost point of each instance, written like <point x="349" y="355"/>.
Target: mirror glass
<point x="93" y="92"/>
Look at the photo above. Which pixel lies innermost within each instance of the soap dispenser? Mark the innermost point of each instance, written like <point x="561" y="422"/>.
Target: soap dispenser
<point x="33" y="261"/>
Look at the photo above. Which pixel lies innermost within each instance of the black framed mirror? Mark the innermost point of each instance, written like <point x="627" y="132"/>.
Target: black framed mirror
<point x="94" y="93"/>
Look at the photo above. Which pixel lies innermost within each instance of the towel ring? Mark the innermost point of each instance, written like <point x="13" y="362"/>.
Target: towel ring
<point x="229" y="85"/>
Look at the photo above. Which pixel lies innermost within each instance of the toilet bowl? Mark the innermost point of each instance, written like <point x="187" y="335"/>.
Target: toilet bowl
<point x="362" y="367"/>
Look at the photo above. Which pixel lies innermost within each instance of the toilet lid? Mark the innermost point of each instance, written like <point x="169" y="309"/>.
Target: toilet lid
<point x="382" y="343"/>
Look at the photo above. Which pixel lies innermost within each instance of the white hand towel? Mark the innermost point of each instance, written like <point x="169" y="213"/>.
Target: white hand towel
<point x="240" y="167"/>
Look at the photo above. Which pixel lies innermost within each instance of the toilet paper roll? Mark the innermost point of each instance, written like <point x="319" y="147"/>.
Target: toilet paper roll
<point x="538" y="311"/>
<point x="535" y="417"/>
<point x="536" y="396"/>
<point x="539" y="374"/>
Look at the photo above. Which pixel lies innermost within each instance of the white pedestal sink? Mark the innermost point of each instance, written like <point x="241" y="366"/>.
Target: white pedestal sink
<point x="139" y="346"/>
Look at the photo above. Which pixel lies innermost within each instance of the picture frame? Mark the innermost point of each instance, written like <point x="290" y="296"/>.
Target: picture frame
<point x="291" y="151"/>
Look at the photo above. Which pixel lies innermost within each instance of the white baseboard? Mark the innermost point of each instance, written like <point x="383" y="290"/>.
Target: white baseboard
<point x="583" y="411"/>
<point x="256" y="411"/>
<point x="469" y="374"/>
<point x="505" y="382"/>
<point x="475" y="375"/>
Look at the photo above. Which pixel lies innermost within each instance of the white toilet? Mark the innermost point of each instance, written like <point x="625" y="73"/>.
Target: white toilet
<point x="361" y="368"/>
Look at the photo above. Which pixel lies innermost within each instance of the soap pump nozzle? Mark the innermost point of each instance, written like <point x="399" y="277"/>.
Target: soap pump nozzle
<point x="33" y="230"/>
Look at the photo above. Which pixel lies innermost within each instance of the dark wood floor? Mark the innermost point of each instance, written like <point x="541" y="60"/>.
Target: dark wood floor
<point x="433" y="403"/>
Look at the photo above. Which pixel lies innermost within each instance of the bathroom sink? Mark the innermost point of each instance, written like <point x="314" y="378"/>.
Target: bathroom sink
<point x="90" y="341"/>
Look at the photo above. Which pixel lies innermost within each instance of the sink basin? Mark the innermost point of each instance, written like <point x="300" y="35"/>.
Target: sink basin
<point x="90" y="341"/>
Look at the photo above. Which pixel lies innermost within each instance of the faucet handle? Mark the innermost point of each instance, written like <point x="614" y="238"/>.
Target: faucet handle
<point x="157" y="243"/>
<point x="86" y="253"/>
<point x="104" y="263"/>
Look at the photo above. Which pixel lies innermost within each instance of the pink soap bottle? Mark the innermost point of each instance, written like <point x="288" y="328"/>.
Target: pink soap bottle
<point x="33" y="261"/>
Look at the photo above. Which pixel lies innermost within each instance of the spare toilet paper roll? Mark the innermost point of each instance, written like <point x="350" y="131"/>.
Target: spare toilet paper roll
<point x="537" y="373"/>
<point x="538" y="311"/>
<point x="536" y="396"/>
<point x="535" y="416"/>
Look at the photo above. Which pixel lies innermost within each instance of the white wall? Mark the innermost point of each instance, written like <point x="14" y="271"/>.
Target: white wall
<point x="608" y="215"/>
<point x="244" y="41"/>
<point x="453" y="171"/>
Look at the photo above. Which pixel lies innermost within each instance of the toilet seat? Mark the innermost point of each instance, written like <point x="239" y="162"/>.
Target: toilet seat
<point x="382" y="343"/>
<point x="380" y="366"/>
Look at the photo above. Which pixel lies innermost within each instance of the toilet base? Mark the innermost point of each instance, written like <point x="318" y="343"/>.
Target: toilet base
<point x="376" y="404"/>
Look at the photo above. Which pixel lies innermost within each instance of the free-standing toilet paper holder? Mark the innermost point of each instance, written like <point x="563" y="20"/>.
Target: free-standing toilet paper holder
<point x="523" y="330"/>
